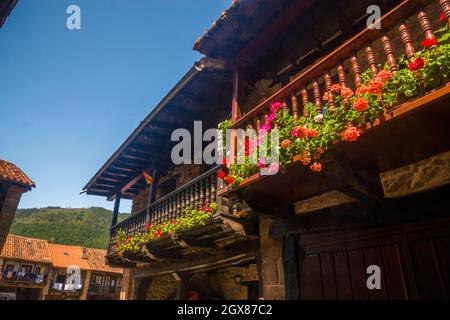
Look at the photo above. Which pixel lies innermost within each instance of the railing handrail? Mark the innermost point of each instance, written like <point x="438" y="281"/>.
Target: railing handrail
<point x="169" y="195"/>
<point x="336" y="55"/>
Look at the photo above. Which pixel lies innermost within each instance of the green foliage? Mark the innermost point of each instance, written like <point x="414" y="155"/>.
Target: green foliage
<point x="191" y="218"/>
<point x="87" y="227"/>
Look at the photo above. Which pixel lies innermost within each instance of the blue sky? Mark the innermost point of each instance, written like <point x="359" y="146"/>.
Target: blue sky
<point x="69" y="98"/>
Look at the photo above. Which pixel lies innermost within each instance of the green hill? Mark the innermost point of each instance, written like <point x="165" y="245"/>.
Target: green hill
<point x="82" y="227"/>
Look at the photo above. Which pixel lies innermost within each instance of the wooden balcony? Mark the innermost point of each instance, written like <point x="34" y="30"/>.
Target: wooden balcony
<point x="220" y="231"/>
<point x="23" y="280"/>
<point x="96" y="289"/>
<point x="395" y="139"/>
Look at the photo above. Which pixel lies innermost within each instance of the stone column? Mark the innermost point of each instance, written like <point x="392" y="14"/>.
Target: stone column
<point x="86" y="282"/>
<point x="271" y="262"/>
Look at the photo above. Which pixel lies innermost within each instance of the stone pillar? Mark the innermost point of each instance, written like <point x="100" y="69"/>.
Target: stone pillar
<point x="86" y="282"/>
<point x="271" y="262"/>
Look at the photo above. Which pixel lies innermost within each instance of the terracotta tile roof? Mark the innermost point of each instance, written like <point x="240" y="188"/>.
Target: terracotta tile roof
<point x="97" y="261"/>
<point x="64" y="256"/>
<point x="26" y="249"/>
<point x="9" y="172"/>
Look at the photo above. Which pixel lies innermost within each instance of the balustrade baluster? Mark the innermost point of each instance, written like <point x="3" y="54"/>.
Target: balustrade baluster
<point x="341" y="75"/>
<point x="387" y="46"/>
<point x="445" y="7"/>
<point x="317" y="97"/>
<point x="426" y="25"/>
<point x="371" y="59"/>
<point x="213" y="188"/>
<point x="406" y="39"/>
<point x="305" y="101"/>
<point x="294" y="103"/>
<point x="328" y="84"/>
<point x="356" y="70"/>
<point x="207" y="189"/>
<point x="202" y="194"/>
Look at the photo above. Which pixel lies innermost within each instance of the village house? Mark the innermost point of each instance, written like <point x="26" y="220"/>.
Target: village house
<point x="80" y="273"/>
<point x="33" y="269"/>
<point x="13" y="183"/>
<point x="364" y="160"/>
<point x="24" y="264"/>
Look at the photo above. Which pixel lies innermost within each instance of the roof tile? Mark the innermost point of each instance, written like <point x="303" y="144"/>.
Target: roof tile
<point x="11" y="173"/>
<point x="26" y="249"/>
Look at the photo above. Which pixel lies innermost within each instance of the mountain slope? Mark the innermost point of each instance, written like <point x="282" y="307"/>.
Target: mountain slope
<point x="87" y="227"/>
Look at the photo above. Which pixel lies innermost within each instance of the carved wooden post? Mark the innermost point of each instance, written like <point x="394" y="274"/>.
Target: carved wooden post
<point x="445" y="7"/>
<point x="356" y="70"/>
<point x="258" y="122"/>
<point x="213" y="188"/>
<point x="202" y="194"/>
<point x="406" y="39"/>
<point x="328" y="84"/>
<point x="207" y="187"/>
<point x="305" y="101"/>
<point x="317" y="97"/>
<point x="294" y="106"/>
<point x="341" y="75"/>
<point x="371" y="59"/>
<point x="426" y="25"/>
<point x="387" y="46"/>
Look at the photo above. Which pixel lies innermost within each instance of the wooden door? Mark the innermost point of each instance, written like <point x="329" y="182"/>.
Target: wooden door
<point x="414" y="260"/>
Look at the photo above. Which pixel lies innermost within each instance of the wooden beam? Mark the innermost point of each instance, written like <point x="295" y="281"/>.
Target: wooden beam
<point x="291" y="267"/>
<point x="134" y="157"/>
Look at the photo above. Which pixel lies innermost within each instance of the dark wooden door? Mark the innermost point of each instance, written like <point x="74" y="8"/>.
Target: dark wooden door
<point x="414" y="260"/>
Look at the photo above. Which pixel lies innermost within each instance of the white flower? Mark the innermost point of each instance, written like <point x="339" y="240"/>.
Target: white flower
<point x="318" y="118"/>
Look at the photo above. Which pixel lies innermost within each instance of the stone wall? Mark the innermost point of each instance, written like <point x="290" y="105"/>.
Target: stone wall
<point x="161" y="288"/>
<point x="271" y="262"/>
<point x="229" y="289"/>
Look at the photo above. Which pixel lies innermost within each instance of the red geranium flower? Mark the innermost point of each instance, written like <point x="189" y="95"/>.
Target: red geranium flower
<point x="158" y="234"/>
<point x="335" y="88"/>
<point x="442" y="17"/>
<point x="285" y="143"/>
<point x="326" y="96"/>
<point x="384" y="75"/>
<point x="300" y="132"/>
<point x="351" y="134"/>
<point x="316" y="167"/>
<point x="312" y="133"/>
<point x="229" y="180"/>
<point x="173" y="221"/>
<point x="346" y="93"/>
<point x="360" y="104"/>
<point x="221" y="174"/>
<point x="417" y="64"/>
<point x="147" y="226"/>
<point x="224" y="162"/>
<point x="428" y="43"/>
<point x="375" y="86"/>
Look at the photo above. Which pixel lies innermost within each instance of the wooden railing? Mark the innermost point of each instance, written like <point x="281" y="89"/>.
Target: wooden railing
<point x="344" y="65"/>
<point x="172" y="206"/>
<point x="104" y="289"/>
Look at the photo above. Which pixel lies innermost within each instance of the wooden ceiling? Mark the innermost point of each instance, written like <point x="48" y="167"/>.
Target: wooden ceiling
<point x="200" y="95"/>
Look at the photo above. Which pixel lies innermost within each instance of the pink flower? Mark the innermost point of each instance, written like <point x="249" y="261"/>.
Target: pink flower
<point x="262" y="163"/>
<point x="276" y="106"/>
<point x="274" y="168"/>
<point x="271" y="117"/>
<point x="266" y="127"/>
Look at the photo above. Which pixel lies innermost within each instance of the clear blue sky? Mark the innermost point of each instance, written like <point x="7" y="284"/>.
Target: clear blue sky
<point x="69" y="98"/>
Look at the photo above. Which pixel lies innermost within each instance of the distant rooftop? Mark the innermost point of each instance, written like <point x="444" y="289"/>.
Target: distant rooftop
<point x="26" y="249"/>
<point x="9" y="172"/>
